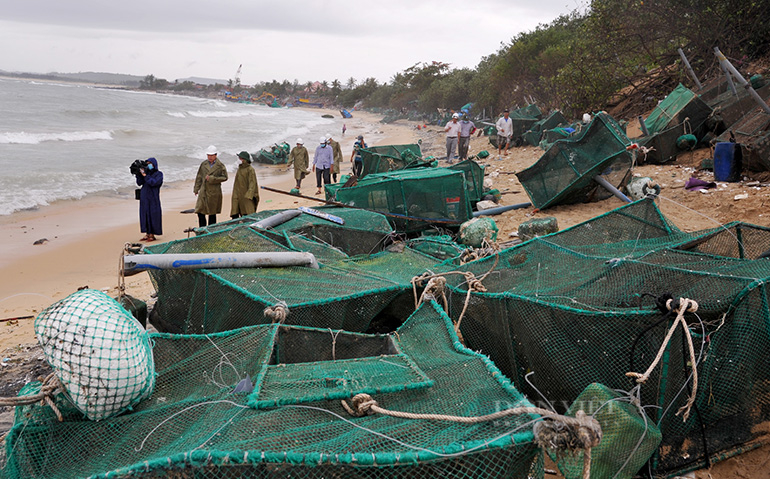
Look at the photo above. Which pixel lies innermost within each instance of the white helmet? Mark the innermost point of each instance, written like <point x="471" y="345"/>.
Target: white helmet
<point x="300" y="142"/>
<point x="211" y="150"/>
<point x="323" y="140"/>
<point x="328" y="136"/>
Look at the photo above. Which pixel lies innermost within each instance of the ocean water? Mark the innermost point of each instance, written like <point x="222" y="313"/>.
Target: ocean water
<point x="62" y="141"/>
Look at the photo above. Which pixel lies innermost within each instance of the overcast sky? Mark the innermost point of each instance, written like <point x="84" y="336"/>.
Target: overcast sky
<point x="280" y="39"/>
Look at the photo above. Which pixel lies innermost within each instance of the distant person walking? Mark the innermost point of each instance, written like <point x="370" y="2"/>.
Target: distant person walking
<point x="300" y="158"/>
<point x="466" y="130"/>
<point x="356" y="158"/>
<point x="504" y="133"/>
<point x="344" y="129"/>
<point x="452" y="130"/>
<point x="245" y="188"/>
<point x="322" y="164"/>
<point x="337" y="153"/>
<point x="208" y="182"/>
<point x="150" y="213"/>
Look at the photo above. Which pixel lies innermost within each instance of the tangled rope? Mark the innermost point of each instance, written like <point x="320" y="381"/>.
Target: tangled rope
<point x="278" y="312"/>
<point x="435" y="288"/>
<point x="48" y="390"/>
<point x="680" y="307"/>
<point x="556" y="432"/>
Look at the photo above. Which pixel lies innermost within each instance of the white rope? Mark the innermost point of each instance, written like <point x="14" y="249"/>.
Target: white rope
<point x="685" y="305"/>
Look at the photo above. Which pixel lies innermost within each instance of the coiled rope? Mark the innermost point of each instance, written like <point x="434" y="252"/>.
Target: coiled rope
<point x="278" y="312"/>
<point x="556" y="432"/>
<point x="680" y="307"/>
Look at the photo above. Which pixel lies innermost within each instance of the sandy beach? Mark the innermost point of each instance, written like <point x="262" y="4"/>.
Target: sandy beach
<point x="85" y="238"/>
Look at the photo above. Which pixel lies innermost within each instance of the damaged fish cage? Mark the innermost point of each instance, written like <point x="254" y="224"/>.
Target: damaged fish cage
<point x="600" y="301"/>
<point x="588" y="167"/>
<point x="275" y="401"/>
<point x="363" y="282"/>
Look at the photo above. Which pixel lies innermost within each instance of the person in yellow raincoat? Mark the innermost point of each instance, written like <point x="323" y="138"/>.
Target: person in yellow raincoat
<point x="208" y="182"/>
<point x="337" y="150"/>
<point x="245" y="188"/>
<point x="301" y="160"/>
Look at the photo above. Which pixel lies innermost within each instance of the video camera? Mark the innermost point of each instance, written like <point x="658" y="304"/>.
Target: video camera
<point x="136" y="166"/>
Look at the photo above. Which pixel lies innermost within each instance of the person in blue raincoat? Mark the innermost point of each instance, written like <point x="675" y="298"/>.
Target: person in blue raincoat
<point x="150" y="214"/>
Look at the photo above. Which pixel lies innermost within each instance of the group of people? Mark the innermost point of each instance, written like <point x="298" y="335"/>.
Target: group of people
<point x="208" y="188"/>
<point x="326" y="161"/>
<point x="458" y="135"/>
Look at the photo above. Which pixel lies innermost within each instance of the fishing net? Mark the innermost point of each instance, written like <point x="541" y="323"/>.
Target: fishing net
<point x="587" y="305"/>
<point x="381" y="159"/>
<point x="681" y="112"/>
<point x="565" y="173"/>
<point x="535" y="133"/>
<point x="263" y="401"/>
<point x="99" y="352"/>
<point x="364" y="280"/>
<point x="416" y="197"/>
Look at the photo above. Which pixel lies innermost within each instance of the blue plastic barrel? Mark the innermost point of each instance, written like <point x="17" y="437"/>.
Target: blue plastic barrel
<point x="727" y="161"/>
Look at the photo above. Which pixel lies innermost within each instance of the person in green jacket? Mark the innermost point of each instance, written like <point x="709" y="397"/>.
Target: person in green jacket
<point x="301" y="160"/>
<point x="208" y="182"/>
<point x="337" y="150"/>
<point x="245" y="188"/>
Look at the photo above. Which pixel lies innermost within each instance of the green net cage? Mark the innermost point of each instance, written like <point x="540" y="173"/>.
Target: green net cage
<point x="584" y="305"/>
<point x="415" y="198"/>
<point x="381" y="159"/>
<point x="681" y="112"/>
<point x="264" y="401"/>
<point x="535" y="133"/>
<point x="565" y="173"/>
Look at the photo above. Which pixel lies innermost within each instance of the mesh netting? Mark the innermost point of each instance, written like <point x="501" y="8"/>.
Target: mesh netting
<point x="439" y="194"/>
<point x="681" y="112"/>
<point x="564" y="174"/>
<point x="535" y="133"/>
<point x="197" y="425"/>
<point x="99" y="352"/>
<point x="381" y="159"/>
<point x="582" y="306"/>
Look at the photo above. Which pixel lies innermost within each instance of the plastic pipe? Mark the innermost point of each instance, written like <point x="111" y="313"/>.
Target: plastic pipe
<point x="136" y="263"/>
<point x="606" y="184"/>
<point x="276" y="219"/>
<point x="645" y="131"/>
<point x="729" y="66"/>
<point x="689" y="69"/>
<point x="500" y="209"/>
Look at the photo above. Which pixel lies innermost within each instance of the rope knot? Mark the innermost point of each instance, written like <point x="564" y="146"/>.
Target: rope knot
<point x="360" y="405"/>
<point x="683" y="305"/>
<point x="277" y="313"/>
<point x="474" y="283"/>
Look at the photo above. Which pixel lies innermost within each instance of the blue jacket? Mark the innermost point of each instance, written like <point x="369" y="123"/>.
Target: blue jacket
<point x="150" y="214"/>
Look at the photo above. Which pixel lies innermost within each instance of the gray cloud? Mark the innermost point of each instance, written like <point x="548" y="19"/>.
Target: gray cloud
<point x="324" y="39"/>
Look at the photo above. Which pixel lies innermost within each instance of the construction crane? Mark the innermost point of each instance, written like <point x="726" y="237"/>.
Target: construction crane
<point x="238" y="76"/>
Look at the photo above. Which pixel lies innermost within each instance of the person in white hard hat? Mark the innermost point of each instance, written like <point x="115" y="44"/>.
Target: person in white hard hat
<point x="337" y="153"/>
<point x="452" y="130"/>
<point x="301" y="160"/>
<point x="211" y="174"/>
<point x="322" y="164"/>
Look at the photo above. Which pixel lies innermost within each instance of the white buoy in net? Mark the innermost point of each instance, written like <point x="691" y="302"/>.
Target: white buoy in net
<point x="99" y="351"/>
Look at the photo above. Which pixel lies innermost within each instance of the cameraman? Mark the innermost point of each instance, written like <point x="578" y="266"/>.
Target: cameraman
<point x="150" y="214"/>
